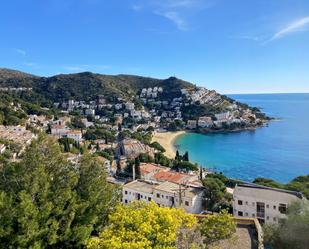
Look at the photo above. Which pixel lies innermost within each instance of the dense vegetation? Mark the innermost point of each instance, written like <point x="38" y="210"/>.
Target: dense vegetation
<point x="291" y="232"/>
<point x="87" y="86"/>
<point x="46" y="202"/>
<point x="145" y="225"/>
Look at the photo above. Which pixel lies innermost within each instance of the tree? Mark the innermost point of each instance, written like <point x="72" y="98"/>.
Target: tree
<point x="291" y="232"/>
<point x="119" y="127"/>
<point x="184" y="165"/>
<point x="157" y="146"/>
<point x="217" y="227"/>
<point x="186" y="156"/>
<point x="137" y="168"/>
<point x="46" y="202"/>
<point x="142" y="225"/>
<point x="213" y="193"/>
<point x="177" y="157"/>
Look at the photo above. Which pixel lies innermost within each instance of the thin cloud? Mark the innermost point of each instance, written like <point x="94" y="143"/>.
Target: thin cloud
<point x="82" y="68"/>
<point x="174" y="17"/>
<point x="30" y="64"/>
<point x="179" y="3"/>
<point x="20" y="51"/>
<point x="293" y="27"/>
<point x="176" y="11"/>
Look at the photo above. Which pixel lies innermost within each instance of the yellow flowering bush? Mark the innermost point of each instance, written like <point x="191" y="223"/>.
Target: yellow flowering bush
<point x="142" y="225"/>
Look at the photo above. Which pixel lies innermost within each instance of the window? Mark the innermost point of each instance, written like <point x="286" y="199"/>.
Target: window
<point x="125" y="192"/>
<point x="125" y="201"/>
<point x="253" y="215"/>
<point x="239" y="202"/>
<point x="274" y="207"/>
<point x="149" y="198"/>
<point x="267" y="217"/>
<point x="186" y="203"/>
<point x="166" y="197"/>
<point x="158" y="195"/>
<point x="162" y="196"/>
<point x="274" y="219"/>
<point x="282" y="208"/>
<point x="267" y="206"/>
<point x="246" y="203"/>
<point x="141" y="196"/>
<point x="240" y="213"/>
<point x="246" y="214"/>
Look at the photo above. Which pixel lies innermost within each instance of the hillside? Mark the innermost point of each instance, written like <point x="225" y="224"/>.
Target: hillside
<point x="176" y="98"/>
<point x="86" y="85"/>
<point x="14" y="78"/>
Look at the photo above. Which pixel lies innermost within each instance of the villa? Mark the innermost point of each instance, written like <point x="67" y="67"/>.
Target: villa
<point x="266" y="204"/>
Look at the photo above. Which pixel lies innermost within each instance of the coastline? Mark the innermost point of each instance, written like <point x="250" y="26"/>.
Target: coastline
<point x="166" y="139"/>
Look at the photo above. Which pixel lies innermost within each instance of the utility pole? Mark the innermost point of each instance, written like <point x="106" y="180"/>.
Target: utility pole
<point x="133" y="171"/>
<point x="180" y="192"/>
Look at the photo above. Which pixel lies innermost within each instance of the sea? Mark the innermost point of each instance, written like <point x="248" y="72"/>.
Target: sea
<point x="279" y="151"/>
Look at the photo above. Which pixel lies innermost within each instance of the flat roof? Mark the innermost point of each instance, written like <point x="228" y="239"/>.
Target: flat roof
<point x="141" y="186"/>
<point x="256" y="186"/>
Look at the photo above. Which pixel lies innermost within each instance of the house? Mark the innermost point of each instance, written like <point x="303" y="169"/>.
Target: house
<point x="118" y="106"/>
<point x="165" y="194"/>
<point x="129" y="106"/>
<point x="169" y="194"/>
<point x="132" y="148"/>
<point x="176" y="177"/>
<point x="75" y="134"/>
<point x="90" y="112"/>
<point x="205" y="122"/>
<point x="148" y="170"/>
<point x="18" y="134"/>
<point x="59" y="130"/>
<point x="191" y="124"/>
<point x="224" y="116"/>
<point x="266" y="204"/>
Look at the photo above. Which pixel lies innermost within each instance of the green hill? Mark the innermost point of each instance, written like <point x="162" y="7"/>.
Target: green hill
<point x="86" y="85"/>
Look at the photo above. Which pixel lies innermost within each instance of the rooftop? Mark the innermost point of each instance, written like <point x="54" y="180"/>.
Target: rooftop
<point x="256" y="186"/>
<point x="147" y="168"/>
<point x="141" y="186"/>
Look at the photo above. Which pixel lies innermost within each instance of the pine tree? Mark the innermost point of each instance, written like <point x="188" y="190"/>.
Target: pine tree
<point x="186" y="156"/>
<point x="45" y="202"/>
<point x="137" y="168"/>
<point x="177" y="157"/>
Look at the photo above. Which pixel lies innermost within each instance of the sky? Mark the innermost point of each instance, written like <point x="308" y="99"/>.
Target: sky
<point x="232" y="46"/>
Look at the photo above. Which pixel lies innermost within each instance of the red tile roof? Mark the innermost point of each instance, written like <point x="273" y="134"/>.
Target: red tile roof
<point x="171" y="177"/>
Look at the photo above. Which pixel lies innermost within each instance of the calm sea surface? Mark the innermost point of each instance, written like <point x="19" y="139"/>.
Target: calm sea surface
<point x="279" y="151"/>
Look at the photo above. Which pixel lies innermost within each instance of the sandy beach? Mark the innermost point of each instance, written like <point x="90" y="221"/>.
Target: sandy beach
<point x="166" y="139"/>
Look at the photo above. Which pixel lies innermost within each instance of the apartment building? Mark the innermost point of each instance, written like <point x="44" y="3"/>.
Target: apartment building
<point x="266" y="204"/>
<point x="166" y="194"/>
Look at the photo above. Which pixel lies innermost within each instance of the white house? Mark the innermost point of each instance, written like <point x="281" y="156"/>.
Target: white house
<point x="264" y="203"/>
<point x="75" y="134"/>
<point x="166" y="194"/>
<point x="129" y="106"/>
<point x="118" y="106"/>
<point x="59" y="130"/>
<point x="223" y="116"/>
<point x="90" y="112"/>
<point x="191" y="124"/>
<point x="205" y="122"/>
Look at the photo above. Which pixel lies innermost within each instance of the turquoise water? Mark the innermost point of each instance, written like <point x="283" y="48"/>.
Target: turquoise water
<point x="279" y="151"/>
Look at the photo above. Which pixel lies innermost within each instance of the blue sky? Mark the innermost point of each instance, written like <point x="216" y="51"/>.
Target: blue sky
<point x="233" y="46"/>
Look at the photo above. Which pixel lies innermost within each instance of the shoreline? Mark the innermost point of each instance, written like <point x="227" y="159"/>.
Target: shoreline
<point x="166" y="139"/>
